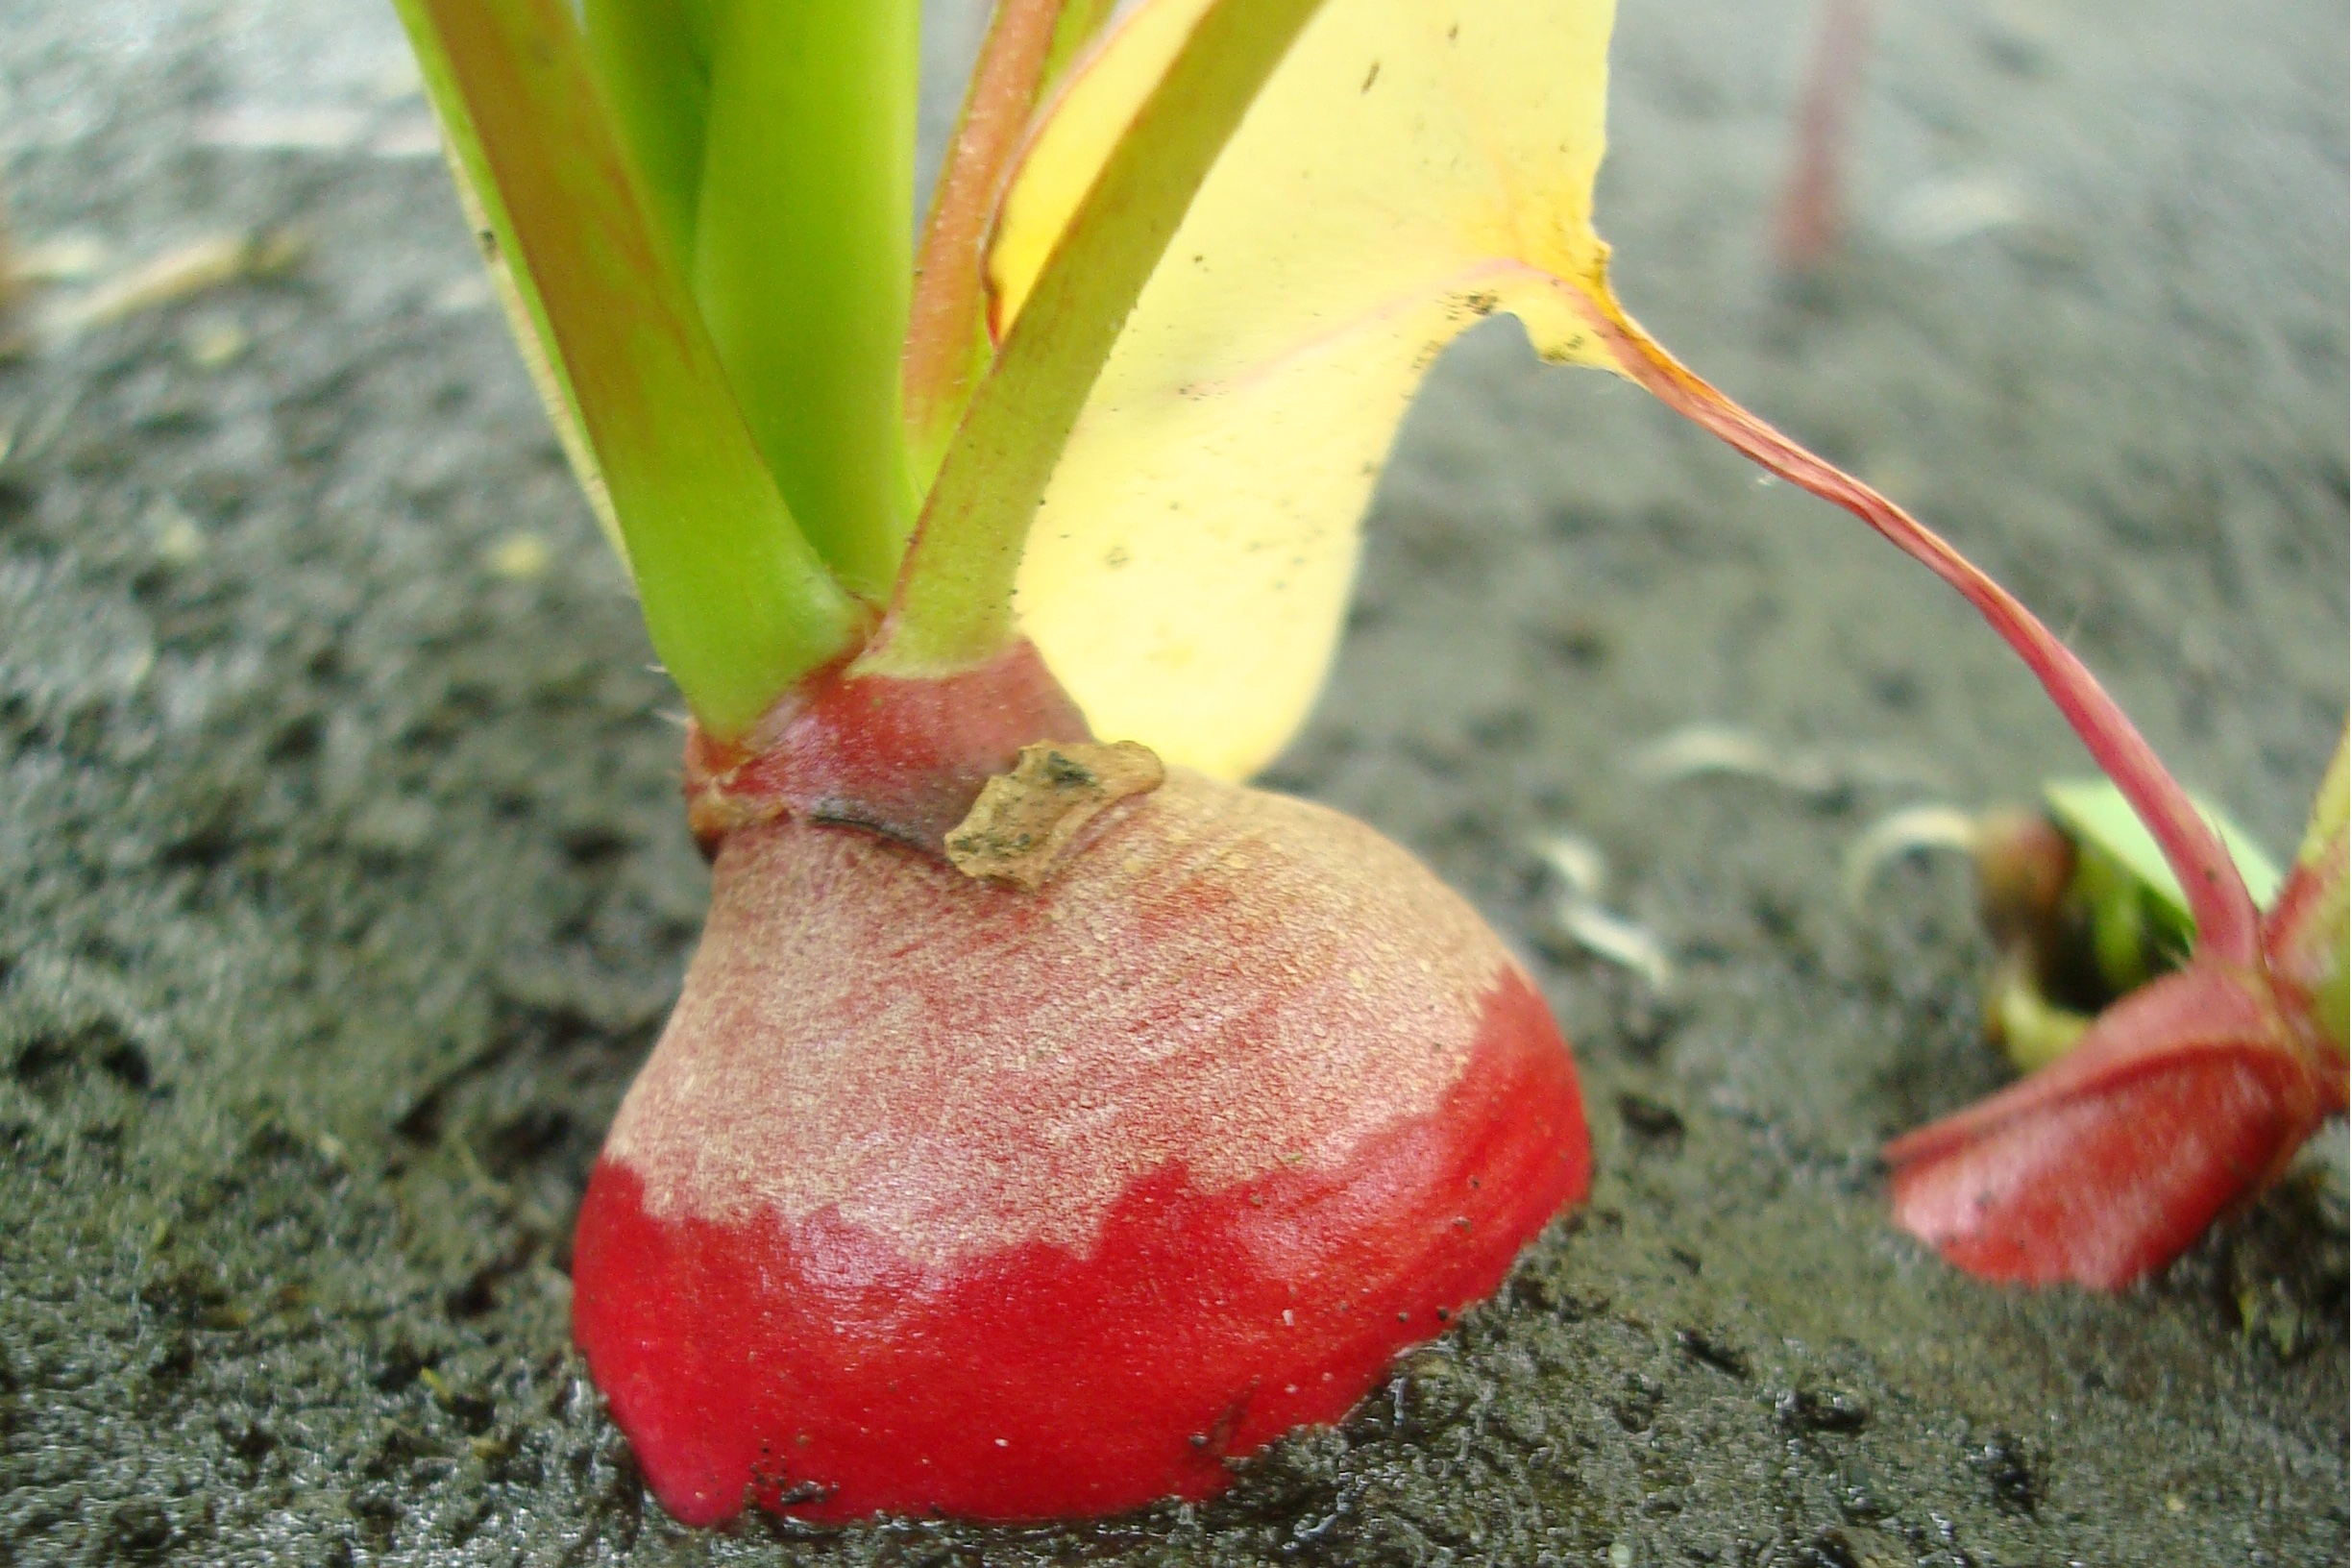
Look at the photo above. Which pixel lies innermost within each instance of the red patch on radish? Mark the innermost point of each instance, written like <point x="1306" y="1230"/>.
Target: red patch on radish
<point x="938" y="1196"/>
<point x="904" y="758"/>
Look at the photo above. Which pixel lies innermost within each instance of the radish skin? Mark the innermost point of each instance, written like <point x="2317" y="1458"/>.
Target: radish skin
<point x="941" y="1196"/>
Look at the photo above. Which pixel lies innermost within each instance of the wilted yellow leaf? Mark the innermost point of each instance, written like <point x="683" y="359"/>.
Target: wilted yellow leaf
<point x="1411" y="167"/>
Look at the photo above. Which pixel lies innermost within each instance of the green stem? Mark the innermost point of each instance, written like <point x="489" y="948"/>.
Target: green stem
<point x="737" y="605"/>
<point x="653" y="59"/>
<point x="1074" y="30"/>
<point x="954" y="604"/>
<point x="802" y="244"/>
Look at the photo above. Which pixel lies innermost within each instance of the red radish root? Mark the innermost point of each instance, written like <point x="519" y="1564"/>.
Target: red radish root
<point x="939" y="1196"/>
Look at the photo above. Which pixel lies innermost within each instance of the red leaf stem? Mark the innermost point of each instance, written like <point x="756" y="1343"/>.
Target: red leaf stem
<point x="2228" y="926"/>
<point x="944" y="323"/>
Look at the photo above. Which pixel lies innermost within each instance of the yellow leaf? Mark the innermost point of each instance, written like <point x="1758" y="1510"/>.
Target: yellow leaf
<point x="953" y="605"/>
<point x="2330" y="807"/>
<point x="1410" y="168"/>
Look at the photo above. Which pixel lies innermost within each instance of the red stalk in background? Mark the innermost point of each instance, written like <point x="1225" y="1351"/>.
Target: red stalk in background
<point x="1812" y="208"/>
<point x="2186" y="1098"/>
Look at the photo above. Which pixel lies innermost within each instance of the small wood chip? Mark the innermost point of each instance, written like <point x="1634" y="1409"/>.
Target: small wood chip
<point x="191" y="269"/>
<point x="1024" y="820"/>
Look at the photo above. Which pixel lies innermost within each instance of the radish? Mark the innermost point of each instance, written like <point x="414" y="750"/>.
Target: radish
<point x="938" y="1193"/>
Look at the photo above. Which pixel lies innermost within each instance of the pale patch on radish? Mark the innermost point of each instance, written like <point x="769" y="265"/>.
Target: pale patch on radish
<point x="1224" y="979"/>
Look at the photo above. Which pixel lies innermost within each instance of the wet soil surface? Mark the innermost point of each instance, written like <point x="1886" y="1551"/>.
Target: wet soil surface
<point x="343" y="880"/>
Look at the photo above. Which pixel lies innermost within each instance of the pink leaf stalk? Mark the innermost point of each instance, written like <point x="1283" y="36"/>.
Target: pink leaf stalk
<point x="2186" y="1098"/>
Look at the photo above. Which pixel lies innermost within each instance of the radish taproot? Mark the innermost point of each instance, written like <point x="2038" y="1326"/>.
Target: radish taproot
<point x="940" y="1194"/>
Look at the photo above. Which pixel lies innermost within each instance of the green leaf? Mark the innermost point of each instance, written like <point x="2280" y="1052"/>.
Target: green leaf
<point x="653" y="59"/>
<point x="954" y="604"/>
<point x="2310" y="941"/>
<point x="2331" y="808"/>
<point x="485" y="214"/>
<point x="802" y="247"/>
<point x="2094" y="812"/>
<point x="737" y="605"/>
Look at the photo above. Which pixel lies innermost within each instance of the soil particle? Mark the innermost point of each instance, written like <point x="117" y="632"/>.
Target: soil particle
<point x="346" y="882"/>
<point x="1026" y="819"/>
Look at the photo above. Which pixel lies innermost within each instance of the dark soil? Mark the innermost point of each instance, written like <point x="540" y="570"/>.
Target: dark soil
<point x="343" y="879"/>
